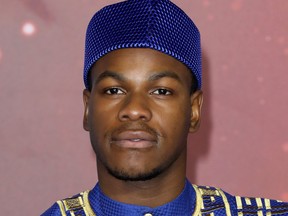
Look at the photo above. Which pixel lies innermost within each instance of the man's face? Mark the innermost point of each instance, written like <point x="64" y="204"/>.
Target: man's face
<point x="139" y="112"/>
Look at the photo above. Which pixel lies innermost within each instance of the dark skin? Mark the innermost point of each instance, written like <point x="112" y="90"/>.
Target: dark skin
<point x="139" y="113"/>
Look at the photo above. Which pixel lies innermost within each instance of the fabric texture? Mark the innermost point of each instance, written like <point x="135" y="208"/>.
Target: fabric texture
<point x="103" y="205"/>
<point x="194" y="200"/>
<point x="156" y="24"/>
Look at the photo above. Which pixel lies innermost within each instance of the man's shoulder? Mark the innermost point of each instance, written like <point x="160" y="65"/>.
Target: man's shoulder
<point x="75" y="205"/>
<point x="54" y="210"/>
<point x="209" y="201"/>
<point x="215" y="200"/>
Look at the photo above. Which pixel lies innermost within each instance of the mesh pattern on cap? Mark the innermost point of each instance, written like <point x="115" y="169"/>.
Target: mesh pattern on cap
<point x="155" y="24"/>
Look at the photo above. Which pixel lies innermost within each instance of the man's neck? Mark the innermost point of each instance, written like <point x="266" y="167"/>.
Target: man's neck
<point x="152" y="193"/>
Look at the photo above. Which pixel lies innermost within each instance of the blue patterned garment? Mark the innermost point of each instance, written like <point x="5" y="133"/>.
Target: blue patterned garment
<point x="194" y="200"/>
<point x="103" y="205"/>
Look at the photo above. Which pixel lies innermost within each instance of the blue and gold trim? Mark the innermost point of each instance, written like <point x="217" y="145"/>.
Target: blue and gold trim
<point x="210" y="201"/>
<point x="76" y="206"/>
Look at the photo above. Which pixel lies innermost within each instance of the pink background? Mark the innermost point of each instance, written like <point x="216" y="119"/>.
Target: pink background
<point x="45" y="154"/>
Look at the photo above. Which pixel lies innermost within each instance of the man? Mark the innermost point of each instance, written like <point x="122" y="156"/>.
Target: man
<point x="142" y="74"/>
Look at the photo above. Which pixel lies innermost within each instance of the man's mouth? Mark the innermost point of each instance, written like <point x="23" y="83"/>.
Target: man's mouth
<point x="134" y="139"/>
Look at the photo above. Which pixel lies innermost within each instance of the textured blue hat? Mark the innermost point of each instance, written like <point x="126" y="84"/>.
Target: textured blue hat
<point x="155" y="24"/>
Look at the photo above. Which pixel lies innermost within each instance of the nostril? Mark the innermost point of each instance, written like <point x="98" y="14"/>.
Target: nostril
<point x="125" y="117"/>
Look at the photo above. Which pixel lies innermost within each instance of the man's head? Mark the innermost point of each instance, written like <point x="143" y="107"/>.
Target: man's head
<point x="140" y="67"/>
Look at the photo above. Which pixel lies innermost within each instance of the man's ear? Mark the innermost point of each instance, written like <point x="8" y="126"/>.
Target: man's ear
<point x="86" y="96"/>
<point x="196" y="105"/>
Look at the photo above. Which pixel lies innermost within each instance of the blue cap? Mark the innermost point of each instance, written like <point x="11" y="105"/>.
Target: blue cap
<point x="155" y="24"/>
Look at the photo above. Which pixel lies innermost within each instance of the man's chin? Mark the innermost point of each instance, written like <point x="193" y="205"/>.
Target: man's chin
<point x="129" y="176"/>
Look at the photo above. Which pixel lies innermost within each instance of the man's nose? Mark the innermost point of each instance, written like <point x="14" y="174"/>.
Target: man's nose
<point x="135" y="107"/>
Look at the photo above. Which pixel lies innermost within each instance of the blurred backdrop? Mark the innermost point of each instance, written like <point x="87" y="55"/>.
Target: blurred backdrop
<point x="45" y="154"/>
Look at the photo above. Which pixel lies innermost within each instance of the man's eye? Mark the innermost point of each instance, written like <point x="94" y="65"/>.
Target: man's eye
<point x="162" y="92"/>
<point x="113" y="91"/>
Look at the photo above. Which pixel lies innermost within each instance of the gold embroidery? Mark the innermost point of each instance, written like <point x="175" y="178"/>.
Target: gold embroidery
<point x="260" y="213"/>
<point x="259" y="202"/>
<point x="199" y="202"/>
<point x="87" y="207"/>
<point x="80" y="202"/>
<point x="209" y="192"/>
<point x="267" y="204"/>
<point x="248" y="201"/>
<point x="226" y="203"/>
<point x="239" y="202"/>
<point x="73" y="203"/>
<point x="62" y="209"/>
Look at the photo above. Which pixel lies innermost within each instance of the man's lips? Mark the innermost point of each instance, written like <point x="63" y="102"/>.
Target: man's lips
<point x="134" y="139"/>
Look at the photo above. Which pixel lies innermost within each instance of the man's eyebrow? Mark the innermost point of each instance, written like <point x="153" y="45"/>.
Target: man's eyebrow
<point x="111" y="74"/>
<point x="163" y="74"/>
